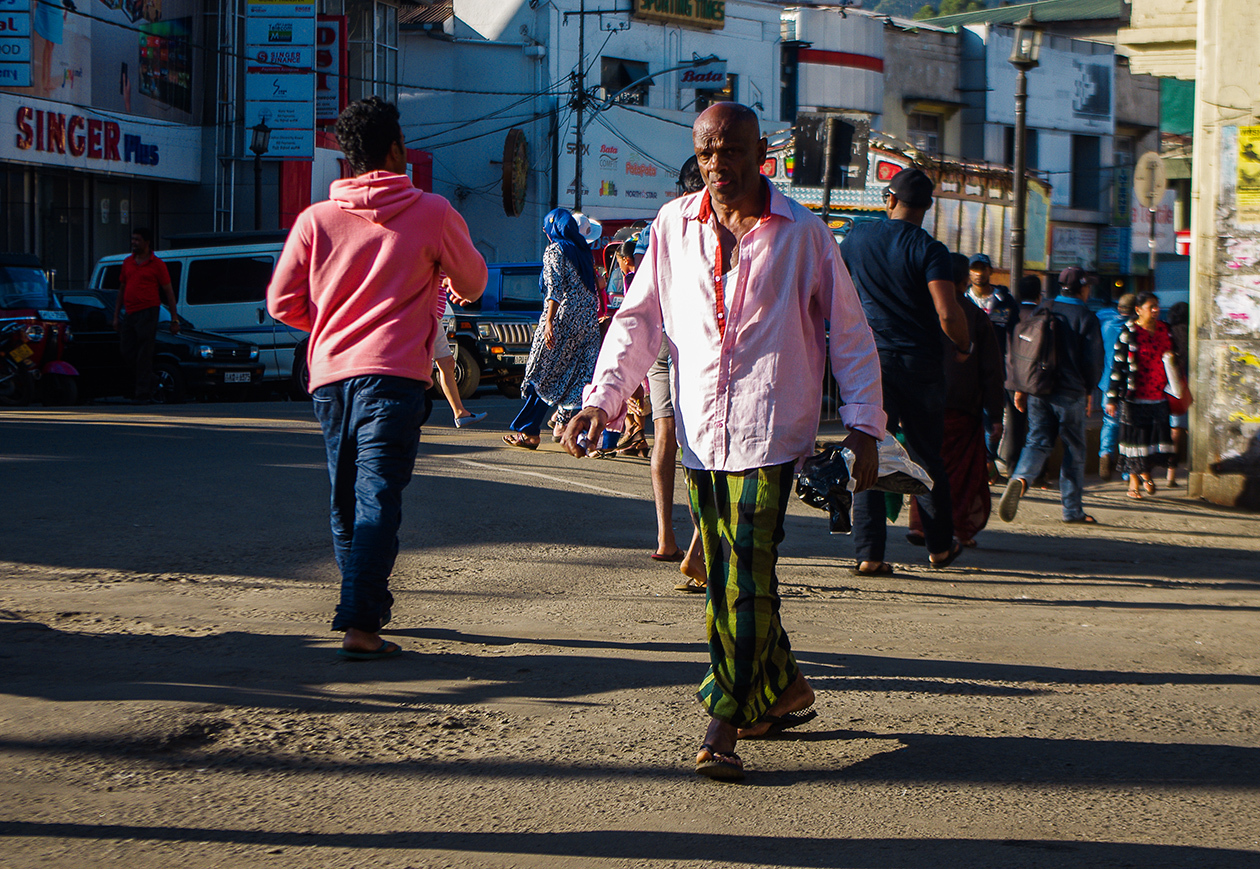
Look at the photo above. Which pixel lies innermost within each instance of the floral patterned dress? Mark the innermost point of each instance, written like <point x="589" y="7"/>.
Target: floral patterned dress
<point x="558" y="374"/>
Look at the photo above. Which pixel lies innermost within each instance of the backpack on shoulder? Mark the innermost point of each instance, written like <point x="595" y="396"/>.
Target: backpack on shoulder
<point x="1031" y="356"/>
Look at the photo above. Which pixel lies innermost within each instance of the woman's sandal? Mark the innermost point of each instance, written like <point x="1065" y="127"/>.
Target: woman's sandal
<point x="1135" y="494"/>
<point x="1149" y="486"/>
<point x="719" y="765"/>
<point x="632" y="443"/>
<point x="519" y="440"/>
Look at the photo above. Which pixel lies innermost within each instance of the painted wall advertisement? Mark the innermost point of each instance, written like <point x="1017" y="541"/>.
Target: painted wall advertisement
<point x="1070" y="90"/>
<point x="119" y="56"/>
<point x="279" y="75"/>
<point x="1074" y="246"/>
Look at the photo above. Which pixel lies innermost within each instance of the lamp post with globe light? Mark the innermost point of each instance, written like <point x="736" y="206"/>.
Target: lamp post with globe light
<point x="1024" y="57"/>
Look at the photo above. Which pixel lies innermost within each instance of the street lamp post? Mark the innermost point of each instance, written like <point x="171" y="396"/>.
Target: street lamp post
<point x="1023" y="57"/>
<point x="259" y="145"/>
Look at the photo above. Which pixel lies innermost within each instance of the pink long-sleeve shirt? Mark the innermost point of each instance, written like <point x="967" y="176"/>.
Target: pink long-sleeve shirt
<point x="360" y="272"/>
<point x="747" y="395"/>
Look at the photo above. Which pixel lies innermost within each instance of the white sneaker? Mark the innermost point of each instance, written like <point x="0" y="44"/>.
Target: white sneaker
<point x="462" y="421"/>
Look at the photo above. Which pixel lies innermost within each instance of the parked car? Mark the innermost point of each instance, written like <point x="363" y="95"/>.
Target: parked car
<point x="220" y="283"/>
<point x="189" y="363"/>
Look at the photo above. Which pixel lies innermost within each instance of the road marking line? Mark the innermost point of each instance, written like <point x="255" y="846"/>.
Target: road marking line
<point x="561" y="480"/>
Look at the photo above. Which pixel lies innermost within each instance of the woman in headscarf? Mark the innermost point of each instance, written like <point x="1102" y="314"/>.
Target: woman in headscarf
<point x="566" y="342"/>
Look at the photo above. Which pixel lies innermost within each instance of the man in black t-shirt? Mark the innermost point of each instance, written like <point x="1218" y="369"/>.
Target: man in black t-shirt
<point x="904" y="278"/>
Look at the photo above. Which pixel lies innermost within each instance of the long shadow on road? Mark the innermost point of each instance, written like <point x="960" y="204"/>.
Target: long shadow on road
<point x="659" y="847"/>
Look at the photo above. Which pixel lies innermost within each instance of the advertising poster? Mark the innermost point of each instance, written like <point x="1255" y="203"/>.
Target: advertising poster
<point x="15" y="43"/>
<point x="1248" y="190"/>
<point x="1037" y="226"/>
<point x="331" y="62"/>
<point x="133" y="57"/>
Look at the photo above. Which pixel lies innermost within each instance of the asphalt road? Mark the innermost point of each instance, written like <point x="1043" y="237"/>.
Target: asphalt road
<point x="1062" y="697"/>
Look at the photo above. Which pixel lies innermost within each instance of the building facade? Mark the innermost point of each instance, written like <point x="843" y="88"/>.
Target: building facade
<point x="499" y="112"/>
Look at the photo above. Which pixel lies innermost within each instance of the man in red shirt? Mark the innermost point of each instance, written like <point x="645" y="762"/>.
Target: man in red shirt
<point x="143" y="285"/>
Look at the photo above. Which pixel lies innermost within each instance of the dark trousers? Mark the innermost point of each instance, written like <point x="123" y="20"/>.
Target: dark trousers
<point x="914" y="399"/>
<point x="139" y="342"/>
<point x="1014" y="433"/>
<point x="532" y="414"/>
<point x="371" y="428"/>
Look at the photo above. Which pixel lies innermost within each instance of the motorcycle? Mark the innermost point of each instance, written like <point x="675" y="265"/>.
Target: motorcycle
<point x="34" y="331"/>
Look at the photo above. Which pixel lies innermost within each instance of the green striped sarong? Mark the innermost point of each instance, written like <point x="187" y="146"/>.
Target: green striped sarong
<point x="740" y="517"/>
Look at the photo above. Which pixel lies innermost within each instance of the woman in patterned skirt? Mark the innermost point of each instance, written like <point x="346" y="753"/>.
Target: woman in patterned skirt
<point x="1138" y="379"/>
<point x="566" y="342"/>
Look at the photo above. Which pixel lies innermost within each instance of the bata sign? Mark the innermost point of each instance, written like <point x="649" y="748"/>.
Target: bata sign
<point x="57" y="134"/>
<point x="709" y="14"/>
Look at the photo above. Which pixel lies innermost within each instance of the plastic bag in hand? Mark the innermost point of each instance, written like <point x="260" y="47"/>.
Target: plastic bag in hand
<point x="824" y="483"/>
<point x="897" y="471"/>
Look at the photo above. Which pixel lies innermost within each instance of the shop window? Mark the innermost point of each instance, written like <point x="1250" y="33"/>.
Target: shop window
<point x="372" y="43"/>
<point x="706" y="98"/>
<point x="615" y="75"/>
<point x="1030" y="147"/>
<point x="923" y="129"/>
<point x="230" y="280"/>
<point x="1086" y="173"/>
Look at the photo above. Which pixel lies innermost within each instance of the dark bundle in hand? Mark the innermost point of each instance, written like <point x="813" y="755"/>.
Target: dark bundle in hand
<point x="824" y="483"/>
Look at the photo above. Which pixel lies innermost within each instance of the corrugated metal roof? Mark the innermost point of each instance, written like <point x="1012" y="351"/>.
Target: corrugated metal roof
<point x="434" y="13"/>
<point x="1046" y="10"/>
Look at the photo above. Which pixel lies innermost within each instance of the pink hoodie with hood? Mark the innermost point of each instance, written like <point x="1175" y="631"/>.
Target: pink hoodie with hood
<point x="360" y="272"/>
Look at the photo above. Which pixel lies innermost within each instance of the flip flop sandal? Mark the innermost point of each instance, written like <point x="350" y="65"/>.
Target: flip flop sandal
<point x="949" y="559"/>
<point x="1083" y="520"/>
<point x="675" y="556"/>
<point x="884" y="569"/>
<point x="385" y="650"/>
<point x="519" y="441"/>
<point x="780" y="723"/>
<point x="1149" y="486"/>
<point x="915" y="539"/>
<point x="691" y="586"/>
<point x="1134" y="494"/>
<point x="720" y="766"/>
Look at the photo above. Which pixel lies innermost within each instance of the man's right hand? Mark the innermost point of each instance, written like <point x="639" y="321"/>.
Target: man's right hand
<point x="117" y="323"/>
<point x="1020" y="400"/>
<point x="589" y="420"/>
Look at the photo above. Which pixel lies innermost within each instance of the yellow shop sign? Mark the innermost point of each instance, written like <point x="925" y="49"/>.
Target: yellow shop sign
<point x="710" y="14"/>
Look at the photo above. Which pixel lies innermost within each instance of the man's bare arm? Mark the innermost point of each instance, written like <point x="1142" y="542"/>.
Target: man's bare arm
<point x="950" y="313"/>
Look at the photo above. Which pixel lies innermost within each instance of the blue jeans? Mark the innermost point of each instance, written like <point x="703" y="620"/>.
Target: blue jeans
<point x="914" y="399"/>
<point x="371" y="428"/>
<point x="1109" y="437"/>
<point x="1061" y="416"/>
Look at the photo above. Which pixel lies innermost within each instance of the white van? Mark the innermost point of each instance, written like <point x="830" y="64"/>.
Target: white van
<point x="222" y="288"/>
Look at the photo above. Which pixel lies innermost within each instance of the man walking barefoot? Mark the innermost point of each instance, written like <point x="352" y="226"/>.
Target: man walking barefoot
<point x="360" y="272"/>
<point x="741" y="280"/>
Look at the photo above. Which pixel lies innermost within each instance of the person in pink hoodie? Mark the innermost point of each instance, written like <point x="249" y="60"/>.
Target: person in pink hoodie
<point x="361" y="272"/>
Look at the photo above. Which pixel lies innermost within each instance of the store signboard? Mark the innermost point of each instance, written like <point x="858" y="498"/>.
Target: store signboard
<point x="1074" y="246"/>
<point x="706" y="14"/>
<point x="332" y="60"/>
<point x="15" y="43"/>
<point x="279" y="75"/>
<point x="46" y="133"/>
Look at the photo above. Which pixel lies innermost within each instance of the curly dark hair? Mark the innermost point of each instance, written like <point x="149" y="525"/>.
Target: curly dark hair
<point x="689" y="178"/>
<point x="366" y="130"/>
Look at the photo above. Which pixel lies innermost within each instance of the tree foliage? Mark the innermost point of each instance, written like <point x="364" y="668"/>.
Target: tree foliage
<point x="926" y="12"/>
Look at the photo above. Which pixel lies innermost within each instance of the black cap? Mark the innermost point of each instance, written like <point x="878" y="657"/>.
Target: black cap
<point x="1072" y="277"/>
<point x="980" y="259"/>
<point x="912" y="187"/>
